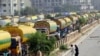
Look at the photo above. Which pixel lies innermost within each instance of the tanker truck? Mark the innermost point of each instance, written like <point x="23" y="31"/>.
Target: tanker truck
<point x="13" y="37"/>
<point x="49" y="27"/>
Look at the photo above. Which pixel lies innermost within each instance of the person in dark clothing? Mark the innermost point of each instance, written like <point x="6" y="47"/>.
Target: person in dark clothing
<point x="76" y="50"/>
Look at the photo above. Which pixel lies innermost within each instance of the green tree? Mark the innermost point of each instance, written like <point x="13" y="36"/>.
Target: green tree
<point x="16" y="12"/>
<point x="70" y="8"/>
<point x="29" y="11"/>
<point x="82" y="20"/>
<point x="49" y="16"/>
<point x="40" y="42"/>
<point x="58" y="15"/>
<point x="8" y="24"/>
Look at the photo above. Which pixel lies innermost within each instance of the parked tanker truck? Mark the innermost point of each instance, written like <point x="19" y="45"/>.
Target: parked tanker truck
<point x="13" y="37"/>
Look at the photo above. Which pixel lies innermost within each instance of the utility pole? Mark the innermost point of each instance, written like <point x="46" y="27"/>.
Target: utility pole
<point x="11" y="5"/>
<point x="12" y="11"/>
<point x="0" y="8"/>
<point x="19" y="6"/>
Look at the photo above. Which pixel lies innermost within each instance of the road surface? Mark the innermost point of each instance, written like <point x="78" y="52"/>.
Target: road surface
<point x="90" y="46"/>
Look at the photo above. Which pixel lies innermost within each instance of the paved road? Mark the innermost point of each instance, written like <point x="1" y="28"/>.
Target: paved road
<point x="91" y="45"/>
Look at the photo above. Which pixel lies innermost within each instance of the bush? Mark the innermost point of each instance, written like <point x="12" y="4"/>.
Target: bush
<point x="39" y="41"/>
<point x="63" y="47"/>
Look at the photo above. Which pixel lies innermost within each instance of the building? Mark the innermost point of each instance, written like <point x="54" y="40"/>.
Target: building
<point x="83" y="5"/>
<point x="9" y="7"/>
<point x="96" y="4"/>
<point x="86" y="5"/>
<point x="47" y="6"/>
<point x="50" y="6"/>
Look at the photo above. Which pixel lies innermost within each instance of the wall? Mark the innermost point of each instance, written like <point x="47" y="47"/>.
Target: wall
<point x="73" y="36"/>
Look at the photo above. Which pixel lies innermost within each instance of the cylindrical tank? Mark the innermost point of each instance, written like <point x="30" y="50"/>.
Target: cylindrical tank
<point x="61" y="23"/>
<point x="25" y="19"/>
<point x="41" y="16"/>
<point x="50" y="25"/>
<point x="72" y="13"/>
<point x="22" y="31"/>
<point x="16" y="19"/>
<point x="74" y="18"/>
<point x="68" y="21"/>
<point x="85" y="16"/>
<point x="34" y="17"/>
<point x="83" y="19"/>
<point x="5" y="22"/>
<point x="6" y="17"/>
<point x="5" y="40"/>
<point x="98" y="15"/>
<point x="29" y="24"/>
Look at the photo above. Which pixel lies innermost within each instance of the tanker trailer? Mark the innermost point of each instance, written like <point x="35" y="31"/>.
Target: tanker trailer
<point x="4" y="22"/>
<point x="22" y="31"/>
<point x="15" y="19"/>
<point x="83" y="19"/>
<point x="29" y="24"/>
<point x="97" y="16"/>
<point x="68" y="24"/>
<point x="24" y="19"/>
<point x="6" y="17"/>
<point x="74" y="20"/>
<point x="34" y="18"/>
<point x="7" y="42"/>
<point x="62" y="26"/>
<point x="92" y="16"/>
<point x="41" y="16"/>
<point x="48" y="27"/>
<point x="86" y="18"/>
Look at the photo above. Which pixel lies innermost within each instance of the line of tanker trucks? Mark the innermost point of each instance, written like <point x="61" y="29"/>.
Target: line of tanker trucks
<point x="61" y="26"/>
<point x="12" y="37"/>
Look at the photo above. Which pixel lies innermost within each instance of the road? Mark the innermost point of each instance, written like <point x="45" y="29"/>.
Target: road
<point x="90" y="46"/>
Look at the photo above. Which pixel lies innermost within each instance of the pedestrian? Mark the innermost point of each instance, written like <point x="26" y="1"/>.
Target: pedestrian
<point x="24" y="50"/>
<point x="76" y="50"/>
<point x="72" y="50"/>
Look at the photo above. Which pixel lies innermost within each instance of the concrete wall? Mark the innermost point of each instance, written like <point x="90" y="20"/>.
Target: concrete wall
<point x="73" y="36"/>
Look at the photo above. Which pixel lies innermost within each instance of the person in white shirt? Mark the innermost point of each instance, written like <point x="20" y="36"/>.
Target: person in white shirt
<point x="72" y="50"/>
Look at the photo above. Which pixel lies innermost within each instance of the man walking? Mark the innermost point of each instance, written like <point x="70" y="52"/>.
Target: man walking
<point x="76" y="50"/>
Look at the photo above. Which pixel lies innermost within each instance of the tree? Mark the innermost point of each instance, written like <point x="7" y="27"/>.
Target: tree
<point x="16" y="12"/>
<point x="58" y="15"/>
<point x="57" y="9"/>
<point x="49" y="16"/>
<point x="69" y="8"/>
<point x="39" y="42"/>
<point x="29" y="11"/>
<point x="82" y="21"/>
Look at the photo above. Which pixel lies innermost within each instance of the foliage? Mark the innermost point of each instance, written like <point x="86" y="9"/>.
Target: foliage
<point x="8" y="24"/>
<point x="48" y="16"/>
<point x="70" y="8"/>
<point x="28" y="11"/>
<point x="16" y="12"/>
<point x="63" y="47"/>
<point x="57" y="9"/>
<point x="57" y="15"/>
<point x="40" y="42"/>
<point x="82" y="20"/>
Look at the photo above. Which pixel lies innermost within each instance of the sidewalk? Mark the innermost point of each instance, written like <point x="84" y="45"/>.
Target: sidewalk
<point x="80" y="40"/>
